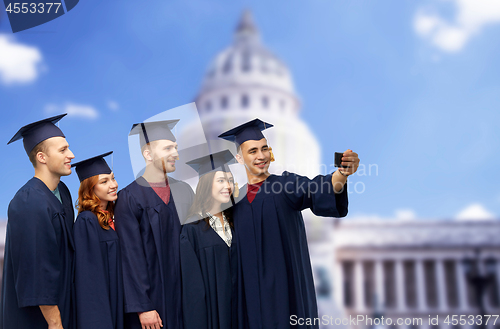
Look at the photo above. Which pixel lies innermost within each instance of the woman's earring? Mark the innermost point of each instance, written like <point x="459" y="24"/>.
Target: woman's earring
<point x="272" y="155"/>
<point x="236" y="192"/>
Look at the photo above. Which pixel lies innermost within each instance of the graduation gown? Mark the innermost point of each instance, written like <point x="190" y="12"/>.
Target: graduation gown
<point x="98" y="275"/>
<point x="208" y="268"/>
<point x="275" y="278"/>
<point x="38" y="261"/>
<point x="149" y="233"/>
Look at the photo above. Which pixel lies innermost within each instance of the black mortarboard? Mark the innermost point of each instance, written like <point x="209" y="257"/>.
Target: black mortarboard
<point x="251" y="130"/>
<point x="153" y="131"/>
<point x="213" y="162"/>
<point x="92" y="166"/>
<point x="37" y="132"/>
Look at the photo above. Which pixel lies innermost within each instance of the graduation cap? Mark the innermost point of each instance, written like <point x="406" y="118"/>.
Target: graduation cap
<point x="92" y="166"/>
<point x="153" y="131"/>
<point x="251" y="130"/>
<point x="212" y="162"/>
<point x="37" y="132"/>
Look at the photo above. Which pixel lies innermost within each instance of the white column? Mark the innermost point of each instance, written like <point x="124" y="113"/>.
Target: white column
<point x="420" y="285"/>
<point x="400" y="285"/>
<point x="461" y="285"/>
<point x="379" y="285"/>
<point x="359" y="286"/>
<point x="497" y="276"/>
<point x="487" y="292"/>
<point x="339" y="284"/>
<point x="441" y="285"/>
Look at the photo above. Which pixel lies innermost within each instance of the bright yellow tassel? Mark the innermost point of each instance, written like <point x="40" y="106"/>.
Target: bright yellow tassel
<point x="272" y="155"/>
<point x="236" y="192"/>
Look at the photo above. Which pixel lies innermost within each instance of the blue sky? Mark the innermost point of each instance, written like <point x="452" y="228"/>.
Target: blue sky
<point x="411" y="86"/>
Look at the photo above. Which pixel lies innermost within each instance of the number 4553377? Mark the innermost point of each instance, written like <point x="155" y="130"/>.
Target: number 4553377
<point x="471" y="319"/>
<point x="32" y="8"/>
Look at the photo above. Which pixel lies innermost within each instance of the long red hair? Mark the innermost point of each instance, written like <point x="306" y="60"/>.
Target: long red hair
<point x="87" y="200"/>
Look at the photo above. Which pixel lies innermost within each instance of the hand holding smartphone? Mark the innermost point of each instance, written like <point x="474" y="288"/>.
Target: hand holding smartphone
<point x="338" y="160"/>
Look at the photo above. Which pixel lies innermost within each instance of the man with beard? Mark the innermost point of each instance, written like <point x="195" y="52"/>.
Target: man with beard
<point x="275" y="281"/>
<point x="39" y="249"/>
<point x="148" y="216"/>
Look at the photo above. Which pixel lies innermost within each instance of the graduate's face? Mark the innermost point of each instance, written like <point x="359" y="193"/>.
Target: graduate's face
<point x="58" y="157"/>
<point x="106" y="187"/>
<point x="255" y="156"/>
<point x="222" y="186"/>
<point x="163" y="155"/>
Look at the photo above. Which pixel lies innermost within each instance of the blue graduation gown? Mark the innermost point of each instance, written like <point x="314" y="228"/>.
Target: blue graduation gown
<point x="149" y="233"/>
<point x="275" y="277"/>
<point x="208" y="268"/>
<point x="38" y="261"/>
<point x="98" y="275"/>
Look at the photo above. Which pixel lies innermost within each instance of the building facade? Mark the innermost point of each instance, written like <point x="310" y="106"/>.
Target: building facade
<point x="418" y="270"/>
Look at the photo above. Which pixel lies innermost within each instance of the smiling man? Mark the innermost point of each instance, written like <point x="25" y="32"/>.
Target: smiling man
<point x="39" y="250"/>
<point x="275" y="280"/>
<point x="148" y="223"/>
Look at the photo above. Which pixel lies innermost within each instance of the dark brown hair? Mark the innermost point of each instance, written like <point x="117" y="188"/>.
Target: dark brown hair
<point x="203" y="200"/>
<point x="87" y="200"/>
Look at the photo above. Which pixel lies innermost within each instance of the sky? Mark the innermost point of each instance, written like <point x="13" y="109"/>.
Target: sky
<point x="412" y="87"/>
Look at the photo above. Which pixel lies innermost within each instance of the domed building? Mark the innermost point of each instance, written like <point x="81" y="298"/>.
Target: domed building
<point x="246" y="81"/>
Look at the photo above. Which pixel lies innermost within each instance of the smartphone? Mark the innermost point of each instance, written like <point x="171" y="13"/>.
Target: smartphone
<point x="338" y="160"/>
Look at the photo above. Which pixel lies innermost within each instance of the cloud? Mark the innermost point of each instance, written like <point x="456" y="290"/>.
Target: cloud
<point x="405" y="214"/>
<point x="3" y="230"/>
<point x="399" y="215"/>
<point x="113" y="106"/>
<point x="19" y="63"/>
<point x="475" y="211"/>
<point x="73" y="110"/>
<point x="366" y="217"/>
<point x="451" y="35"/>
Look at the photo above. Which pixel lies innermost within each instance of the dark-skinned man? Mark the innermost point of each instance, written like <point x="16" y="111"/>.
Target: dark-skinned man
<point x="275" y="281"/>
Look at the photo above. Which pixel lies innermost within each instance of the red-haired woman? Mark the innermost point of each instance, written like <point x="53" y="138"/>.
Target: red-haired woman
<point x="208" y="253"/>
<point x="98" y="275"/>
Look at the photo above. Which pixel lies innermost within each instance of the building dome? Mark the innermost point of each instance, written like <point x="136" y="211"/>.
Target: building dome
<point x="246" y="81"/>
<point x="247" y="63"/>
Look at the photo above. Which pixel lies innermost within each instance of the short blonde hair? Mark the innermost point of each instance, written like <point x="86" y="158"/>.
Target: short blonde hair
<point x="150" y="146"/>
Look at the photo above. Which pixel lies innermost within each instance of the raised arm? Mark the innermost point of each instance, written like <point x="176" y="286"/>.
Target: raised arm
<point x="339" y="177"/>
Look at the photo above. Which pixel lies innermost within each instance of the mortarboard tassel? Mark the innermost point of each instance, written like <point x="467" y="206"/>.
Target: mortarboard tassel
<point x="236" y="192"/>
<point x="272" y="155"/>
<point x="270" y="148"/>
